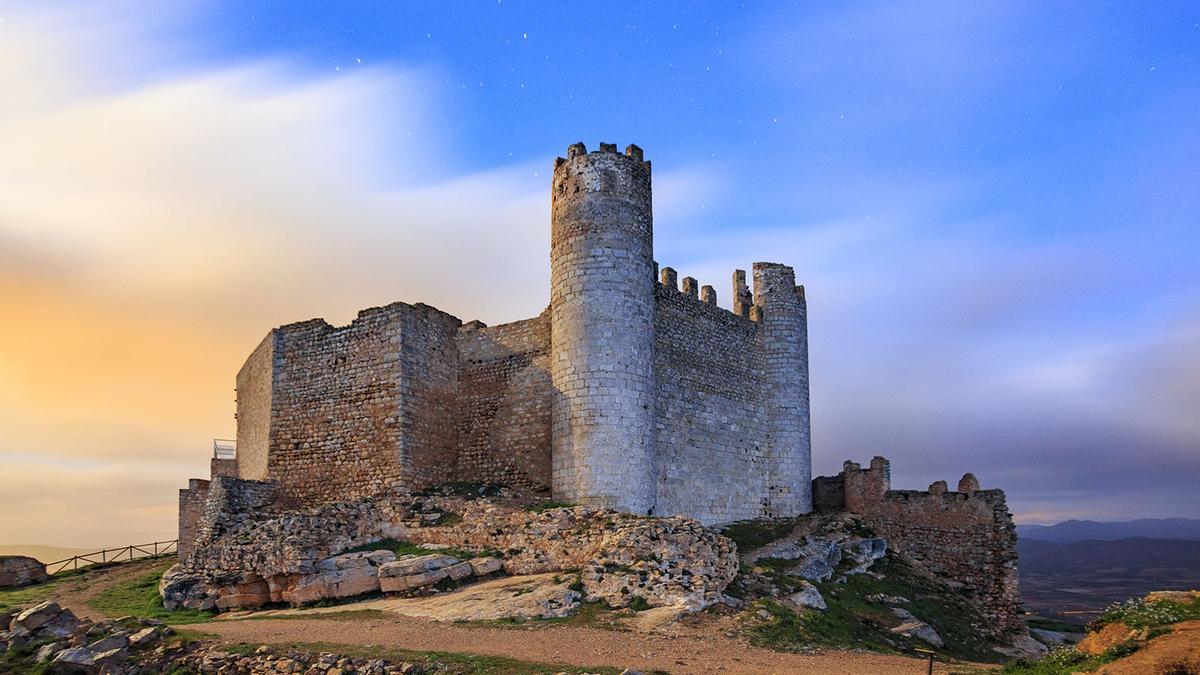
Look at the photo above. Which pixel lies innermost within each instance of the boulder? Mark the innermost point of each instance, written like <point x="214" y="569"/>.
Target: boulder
<point x="411" y="582"/>
<point x="144" y="638"/>
<point x="484" y="566"/>
<point x="62" y="626"/>
<point x="74" y="660"/>
<point x="20" y="570"/>
<point x="409" y="565"/>
<point x="341" y="576"/>
<point x="35" y="617"/>
<point x="817" y="558"/>
<point x="1049" y="637"/>
<point x="118" y="640"/>
<point x="1022" y="646"/>
<point x="46" y="652"/>
<point x="808" y="598"/>
<point x="919" y="630"/>
<point x="458" y="571"/>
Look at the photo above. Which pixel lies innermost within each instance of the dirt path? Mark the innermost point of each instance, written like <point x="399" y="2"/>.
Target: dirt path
<point x="569" y="645"/>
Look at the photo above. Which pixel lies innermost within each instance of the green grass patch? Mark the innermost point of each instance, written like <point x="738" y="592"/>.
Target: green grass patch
<point x="446" y="663"/>
<point x="639" y="604"/>
<point x="752" y="534"/>
<point x="853" y="622"/>
<point x="139" y="597"/>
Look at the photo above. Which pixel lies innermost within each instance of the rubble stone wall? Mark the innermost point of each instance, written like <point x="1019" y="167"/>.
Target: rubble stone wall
<point x="191" y="509"/>
<point x="503" y="410"/>
<point x="966" y="537"/>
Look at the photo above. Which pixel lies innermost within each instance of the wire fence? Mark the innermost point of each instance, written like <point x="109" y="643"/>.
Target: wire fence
<point x="110" y="555"/>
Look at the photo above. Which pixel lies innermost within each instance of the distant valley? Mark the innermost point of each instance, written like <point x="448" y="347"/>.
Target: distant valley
<point x="1076" y="568"/>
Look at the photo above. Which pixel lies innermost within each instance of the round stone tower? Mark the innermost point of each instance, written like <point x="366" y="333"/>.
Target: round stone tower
<point x="602" y="329"/>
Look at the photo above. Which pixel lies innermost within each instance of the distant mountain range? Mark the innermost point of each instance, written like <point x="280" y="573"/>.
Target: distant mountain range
<point x="1075" y="568"/>
<point x="43" y="553"/>
<point x="1177" y="529"/>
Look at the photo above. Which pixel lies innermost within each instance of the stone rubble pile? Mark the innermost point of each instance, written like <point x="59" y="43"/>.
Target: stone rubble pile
<point x="292" y="556"/>
<point x="72" y="645"/>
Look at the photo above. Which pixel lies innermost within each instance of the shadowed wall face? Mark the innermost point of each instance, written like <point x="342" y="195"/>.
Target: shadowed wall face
<point x="503" y="414"/>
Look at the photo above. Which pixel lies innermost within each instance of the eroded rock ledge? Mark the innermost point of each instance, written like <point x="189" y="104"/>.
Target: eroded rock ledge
<point x="246" y="557"/>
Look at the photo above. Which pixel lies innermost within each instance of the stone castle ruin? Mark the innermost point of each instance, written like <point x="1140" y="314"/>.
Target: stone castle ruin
<point x="627" y="392"/>
<point x="630" y="392"/>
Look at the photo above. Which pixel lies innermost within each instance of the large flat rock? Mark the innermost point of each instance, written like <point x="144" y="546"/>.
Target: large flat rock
<point x="523" y="597"/>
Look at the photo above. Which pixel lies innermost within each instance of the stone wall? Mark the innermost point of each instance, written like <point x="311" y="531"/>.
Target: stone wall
<point x="255" y="381"/>
<point x="359" y="408"/>
<point x="709" y="417"/>
<point x="966" y="537"/>
<point x="503" y="409"/>
<point x="191" y="509"/>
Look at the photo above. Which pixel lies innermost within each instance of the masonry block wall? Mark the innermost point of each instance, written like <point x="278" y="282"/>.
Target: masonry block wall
<point x="503" y="408"/>
<point x="966" y="536"/>
<point x="628" y="392"/>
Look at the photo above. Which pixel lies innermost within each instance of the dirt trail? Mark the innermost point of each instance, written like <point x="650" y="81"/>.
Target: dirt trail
<point x="568" y="645"/>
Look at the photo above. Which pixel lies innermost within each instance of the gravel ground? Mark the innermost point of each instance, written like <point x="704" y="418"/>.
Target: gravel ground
<point x="569" y="645"/>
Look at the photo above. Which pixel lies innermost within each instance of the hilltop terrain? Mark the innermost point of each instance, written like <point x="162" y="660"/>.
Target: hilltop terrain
<point x="1079" y="579"/>
<point x="867" y="611"/>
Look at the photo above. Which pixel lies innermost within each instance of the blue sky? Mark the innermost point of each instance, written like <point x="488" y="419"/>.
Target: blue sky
<point x="993" y="207"/>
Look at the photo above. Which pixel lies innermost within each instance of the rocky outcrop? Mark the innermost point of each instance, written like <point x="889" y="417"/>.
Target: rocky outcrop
<point x="19" y="570"/>
<point x="286" y="557"/>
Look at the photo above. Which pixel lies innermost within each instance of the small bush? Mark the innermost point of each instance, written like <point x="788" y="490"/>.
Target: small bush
<point x="639" y="604"/>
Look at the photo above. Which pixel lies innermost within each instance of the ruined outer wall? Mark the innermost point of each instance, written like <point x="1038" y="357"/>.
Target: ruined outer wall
<point x="602" y="329"/>
<point x="966" y="537"/>
<point x="254" y="382"/>
<point x="709" y="417"/>
<point x="360" y="408"/>
<point x="503" y="410"/>
<point x="191" y="508"/>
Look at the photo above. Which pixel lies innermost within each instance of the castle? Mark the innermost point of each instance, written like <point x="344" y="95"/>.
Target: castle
<point x="627" y="392"/>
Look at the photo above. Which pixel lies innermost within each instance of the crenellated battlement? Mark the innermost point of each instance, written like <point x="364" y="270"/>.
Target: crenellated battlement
<point x="746" y="304"/>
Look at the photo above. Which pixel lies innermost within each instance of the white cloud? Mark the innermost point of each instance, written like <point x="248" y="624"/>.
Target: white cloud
<point x="156" y="221"/>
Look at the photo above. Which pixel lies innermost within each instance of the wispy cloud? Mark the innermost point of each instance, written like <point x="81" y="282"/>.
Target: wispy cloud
<point x="154" y="227"/>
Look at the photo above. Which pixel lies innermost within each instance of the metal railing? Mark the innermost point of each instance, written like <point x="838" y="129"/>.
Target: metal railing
<point x="110" y="555"/>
